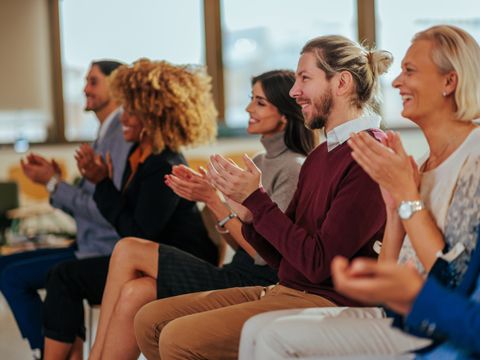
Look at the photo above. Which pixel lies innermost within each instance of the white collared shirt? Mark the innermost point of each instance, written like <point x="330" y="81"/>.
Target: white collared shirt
<point x="104" y="126"/>
<point x="341" y="133"/>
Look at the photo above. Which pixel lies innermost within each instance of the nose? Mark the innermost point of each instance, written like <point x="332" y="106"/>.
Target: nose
<point x="397" y="81"/>
<point x="249" y="107"/>
<point x="295" y="90"/>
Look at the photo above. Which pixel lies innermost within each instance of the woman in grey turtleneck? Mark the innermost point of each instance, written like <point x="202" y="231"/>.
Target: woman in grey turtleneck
<point x="142" y="271"/>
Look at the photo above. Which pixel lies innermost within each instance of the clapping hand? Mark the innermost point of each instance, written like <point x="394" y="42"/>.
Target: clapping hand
<point x="233" y="181"/>
<point x="91" y="165"/>
<point x="38" y="169"/>
<point x="389" y="165"/>
<point x="191" y="185"/>
<point x="372" y="282"/>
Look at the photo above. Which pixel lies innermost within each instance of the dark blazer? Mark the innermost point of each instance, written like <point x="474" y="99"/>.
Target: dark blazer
<point x="147" y="208"/>
<point x="445" y="314"/>
<point x="95" y="235"/>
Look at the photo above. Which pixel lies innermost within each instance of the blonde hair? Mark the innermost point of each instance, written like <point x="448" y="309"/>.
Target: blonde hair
<point x="456" y="50"/>
<point x="174" y="102"/>
<point x="335" y="53"/>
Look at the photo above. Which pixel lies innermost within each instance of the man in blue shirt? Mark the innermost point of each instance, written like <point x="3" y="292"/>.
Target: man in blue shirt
<point x="21" y="275"/>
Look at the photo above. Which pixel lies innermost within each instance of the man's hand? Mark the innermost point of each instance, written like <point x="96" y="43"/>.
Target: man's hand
<point x="38" y="169"/>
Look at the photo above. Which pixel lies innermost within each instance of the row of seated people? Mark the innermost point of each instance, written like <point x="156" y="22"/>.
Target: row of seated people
<point x="297" y="225"/>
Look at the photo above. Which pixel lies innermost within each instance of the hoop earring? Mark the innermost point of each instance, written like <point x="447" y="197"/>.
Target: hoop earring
<point x="143" y="134"/>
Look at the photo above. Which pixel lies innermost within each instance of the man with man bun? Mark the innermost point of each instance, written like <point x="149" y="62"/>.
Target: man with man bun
<point x="337" y="209"/>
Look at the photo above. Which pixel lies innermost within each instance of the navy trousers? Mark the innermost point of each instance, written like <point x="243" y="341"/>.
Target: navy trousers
<point x="21" y="276"/>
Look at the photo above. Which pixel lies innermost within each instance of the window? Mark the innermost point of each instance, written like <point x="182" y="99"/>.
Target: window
<point x="397" y="22"/>
<point x="125" y="30"/>
<point x="25" y="88"/>
<point x="264" y="35"/>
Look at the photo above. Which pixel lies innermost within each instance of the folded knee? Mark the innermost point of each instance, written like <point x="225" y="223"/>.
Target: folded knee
<point x="177" y="341"/>
<point x="122" y="248"/>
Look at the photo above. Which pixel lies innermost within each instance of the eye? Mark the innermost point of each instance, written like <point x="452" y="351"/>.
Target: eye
<point x="261" y="103"/>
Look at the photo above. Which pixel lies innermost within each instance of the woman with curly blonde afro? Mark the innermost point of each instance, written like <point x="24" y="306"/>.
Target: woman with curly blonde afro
<point x="166" y="107"/>
<point x="141" y="271"/>
<point x="174" y="102"/>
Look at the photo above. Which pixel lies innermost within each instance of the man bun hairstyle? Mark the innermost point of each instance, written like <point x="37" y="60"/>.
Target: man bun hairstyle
<point x="335" y="53"/>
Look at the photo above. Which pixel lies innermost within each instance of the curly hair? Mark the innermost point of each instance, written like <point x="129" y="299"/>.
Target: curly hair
<point x="174" y="102"/>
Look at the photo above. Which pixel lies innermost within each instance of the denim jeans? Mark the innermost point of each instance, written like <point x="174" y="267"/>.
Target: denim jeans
<point x="21" y="275"/>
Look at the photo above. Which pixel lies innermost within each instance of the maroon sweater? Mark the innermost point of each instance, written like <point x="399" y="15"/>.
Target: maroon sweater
<point x="337" y="209"/>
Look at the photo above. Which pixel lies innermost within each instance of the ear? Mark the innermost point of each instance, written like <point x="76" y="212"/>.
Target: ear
<point x="283" y="119"/>
<point x="344" y="83"/>
<point x="451" y="81"/>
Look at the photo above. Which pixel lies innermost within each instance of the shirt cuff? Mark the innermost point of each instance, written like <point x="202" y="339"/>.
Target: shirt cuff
<point x="423" y="309"/>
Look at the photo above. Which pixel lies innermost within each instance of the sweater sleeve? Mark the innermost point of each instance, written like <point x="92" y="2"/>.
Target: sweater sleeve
<point x="440" y="312"/>
<point x="147" y="218"/>
<point x="264" y="248"/>
<point x="356" y="214"/>
<point x="77" y="202"/>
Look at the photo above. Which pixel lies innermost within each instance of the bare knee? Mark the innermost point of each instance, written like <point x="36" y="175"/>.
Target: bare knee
<point x="122" y="249"/>
<point x="136" y="251"/>
<point x="134" y="294"/>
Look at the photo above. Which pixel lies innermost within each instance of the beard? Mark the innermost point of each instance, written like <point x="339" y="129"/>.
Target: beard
<point x="323" y="108"/>
<point x="97" y="107"/>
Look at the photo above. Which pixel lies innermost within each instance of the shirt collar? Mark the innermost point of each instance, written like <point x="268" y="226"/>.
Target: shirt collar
<point x="104" y="126"/>
<point x="338" y="135"/>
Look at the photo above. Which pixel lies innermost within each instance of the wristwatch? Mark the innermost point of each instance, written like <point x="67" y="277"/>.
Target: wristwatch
<point x="406" y="209"/>
<point x="51" y="185"/>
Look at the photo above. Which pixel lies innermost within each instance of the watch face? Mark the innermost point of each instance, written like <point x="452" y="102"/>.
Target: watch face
<point x="405" y="210"/>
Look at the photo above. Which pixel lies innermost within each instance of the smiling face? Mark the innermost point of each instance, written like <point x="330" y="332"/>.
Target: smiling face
<point x="313" y="92"/>
<point x="132" y="127"/>
<point x="264" y="117"/>
<point x="96" y="90"/>
<point x="420" y="83"/>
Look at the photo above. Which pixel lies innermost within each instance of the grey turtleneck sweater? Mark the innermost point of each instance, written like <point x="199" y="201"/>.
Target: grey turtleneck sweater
<point x="280" y="168"/>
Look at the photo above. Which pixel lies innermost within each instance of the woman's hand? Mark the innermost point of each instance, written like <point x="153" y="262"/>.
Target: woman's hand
<point x="371" y="282"/>
<point x="191" y="185"/>
<point x="389" y="165"/>
<point x="92" y="166"/>
<point x="234" y="182"/>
